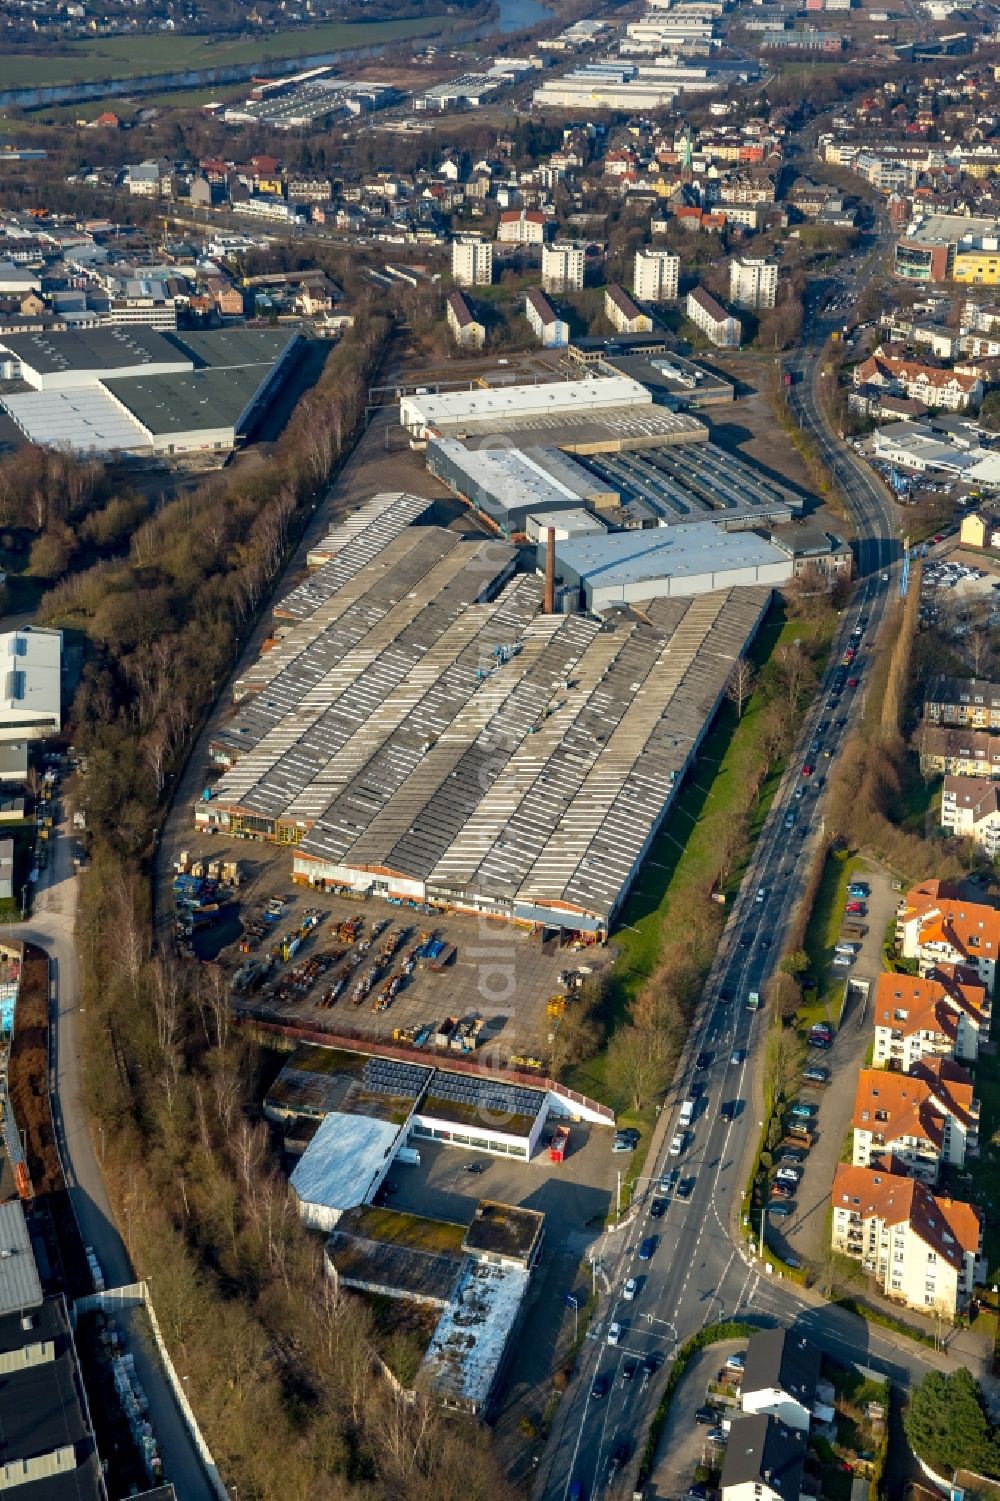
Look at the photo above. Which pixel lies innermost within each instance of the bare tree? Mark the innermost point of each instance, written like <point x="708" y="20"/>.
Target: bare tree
<point x="741" y="684"/>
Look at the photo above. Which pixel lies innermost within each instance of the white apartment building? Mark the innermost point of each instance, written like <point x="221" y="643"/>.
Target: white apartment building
<point x="753" y="282"/>
<point x="942" y="1015"/>
<point x="523" y="226"/>
<point x="922" y="1249"/>
<point x="562" y="266"/>
<point x="970" y="809"/>
<point x="622" y="313"/>
<point x="656" y="273"/>
<point x="724" y="331"/>
<point x="936" y="925"/>
<point x="921" y="1119"/>
<point x="467" y="331"/>
<point x="472" y="261"/>
<point x="551" y="331"/>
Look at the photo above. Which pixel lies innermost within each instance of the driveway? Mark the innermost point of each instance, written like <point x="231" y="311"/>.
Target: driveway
<point x="806" y="1233"/>
<point x="682" y="1442"/>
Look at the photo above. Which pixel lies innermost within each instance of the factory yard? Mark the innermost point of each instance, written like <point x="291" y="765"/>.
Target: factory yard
<point x="499" y="972"/>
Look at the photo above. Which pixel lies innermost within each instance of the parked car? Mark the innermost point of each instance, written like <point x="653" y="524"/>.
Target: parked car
<point x="780" y="1209"/>
<point x="782" y="1189"/>
<point x="706" y="1416"/>
<point x="476" y="1167"/>
<point x="816" y="1075"/>
<point x="715" y="1436"/>
<point x="803" y="1111"/>
<point x="788" y="1174"/>
<point x="735" y="1362"/>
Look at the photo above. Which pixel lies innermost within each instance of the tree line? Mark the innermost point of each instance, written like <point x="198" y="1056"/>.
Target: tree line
<point x="286" y="1372"/>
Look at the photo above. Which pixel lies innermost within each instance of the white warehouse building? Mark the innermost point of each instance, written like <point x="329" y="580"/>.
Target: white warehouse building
<point x="30" y="697"/>
<point x="424" y="414"/>
<point x="664" y="562"/>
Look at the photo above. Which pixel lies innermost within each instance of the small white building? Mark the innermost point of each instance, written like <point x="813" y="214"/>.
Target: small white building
<point x="780" y="1375"/>
<point x="30" y="697"/>
<point x="764" y="1460"/>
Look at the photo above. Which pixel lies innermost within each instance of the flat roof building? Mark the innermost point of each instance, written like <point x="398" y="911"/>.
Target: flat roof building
<point x="72" y="359"/>
<point x="30" y="693"/>
<point x="504" y="484"/>
<point x="442" y="414"/>
<point x="667" y="562"/>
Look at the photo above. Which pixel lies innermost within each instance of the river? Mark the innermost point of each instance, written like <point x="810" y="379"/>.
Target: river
<point x="512" y="15"/>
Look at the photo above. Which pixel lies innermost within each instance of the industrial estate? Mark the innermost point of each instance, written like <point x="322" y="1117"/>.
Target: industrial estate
<point x="500" y="752"/>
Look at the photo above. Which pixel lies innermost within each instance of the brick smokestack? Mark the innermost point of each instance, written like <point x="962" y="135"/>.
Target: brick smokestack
<point x="550" y="571"/>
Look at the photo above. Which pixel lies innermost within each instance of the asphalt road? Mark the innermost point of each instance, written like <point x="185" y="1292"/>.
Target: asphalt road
<point x="51" y="927"/>
<point x="698" y="1272"/>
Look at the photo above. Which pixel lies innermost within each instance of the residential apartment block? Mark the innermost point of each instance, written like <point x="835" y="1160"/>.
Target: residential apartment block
<point x="922" y="1249"/>
<point x="936" y="925"/>
<point x="970" y="702"/>
<point x="933" y="387"/>
<point x="915" y="1121"/>
<point x="563" y="265"/>
<point x="655" y="277"/>
<point x="970" y="809"/>
<point x="943" y="1014"/>
<point x="960" y="753"/>
<point x="753" y="282"/>
<point x="623" y="314"/>
<point x="551" y="330"/>
<point x="472" y="261"/>
<point x="725" y="331"/>
<point x="469" y="333"/>
<point x="521" y="227"/>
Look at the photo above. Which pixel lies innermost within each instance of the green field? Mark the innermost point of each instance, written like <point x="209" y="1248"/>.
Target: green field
<point x="141" y="56"/>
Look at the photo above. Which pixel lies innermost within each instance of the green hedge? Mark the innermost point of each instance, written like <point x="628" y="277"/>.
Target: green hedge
<point x="712" y="1334"/>
<point x="885" y="1320"/>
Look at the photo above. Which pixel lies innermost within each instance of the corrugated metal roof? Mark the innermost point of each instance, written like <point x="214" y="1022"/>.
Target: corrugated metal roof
<point x="19" y="1282"/>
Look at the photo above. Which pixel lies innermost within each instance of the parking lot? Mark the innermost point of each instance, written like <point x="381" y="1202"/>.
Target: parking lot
<point x="803" y="1235"/>
<point x="500" y="974"/>
<point x="684" y="1443"/>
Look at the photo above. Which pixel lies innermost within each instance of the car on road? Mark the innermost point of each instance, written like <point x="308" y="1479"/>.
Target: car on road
<point x="648" y="1246"/>
<point x="669" y="1181"/>
<point x="629" y="1369"/>
<point x="807" y="769"/>
<point x="707" y="1417"/>
<point x="780" y="1209"/>
<point x="619" y="1457"/>
<point x="614" y="1332"/>
<point x="764" y="943"/>
<point x="852" y="682"/>
<point x="761" y="894"/>
<point x="630" y="1289"/>
<point x="685" y="1188"/>
<point x="745" y="941"/>
<point x="703" y="1060"/>
<point x="657" y="1209"/>
<point x="730" y="1109"/>
<point x="652" y="1363"/>
<point x="737" y="1056"/>
<point x="576" y="1491"/>
<point x="816" y="1075"/>
<point x="803" y="1111"/>
<point x="599" y="1388"/>
<point x="677" y="1142"/>
<point x="789" y="820"/>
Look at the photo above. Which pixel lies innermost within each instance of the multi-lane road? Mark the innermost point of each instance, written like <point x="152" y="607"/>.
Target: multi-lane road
<point x="700" y="1270"/>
